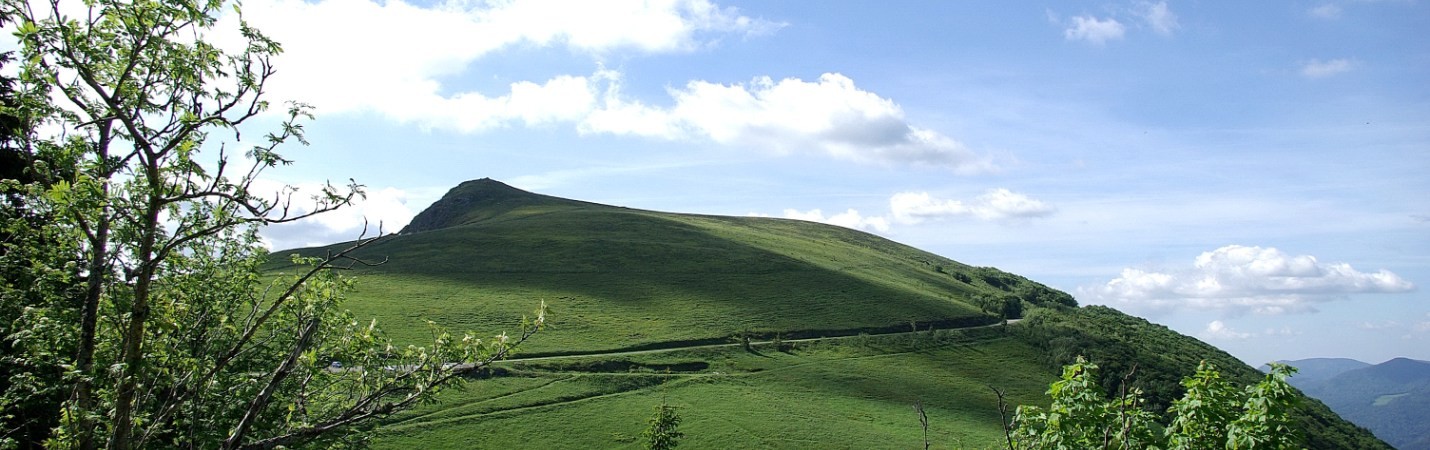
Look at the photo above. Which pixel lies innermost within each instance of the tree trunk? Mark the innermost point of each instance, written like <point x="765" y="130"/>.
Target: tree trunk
<point x="89" y="311"/>
<point x="133" y="353"/>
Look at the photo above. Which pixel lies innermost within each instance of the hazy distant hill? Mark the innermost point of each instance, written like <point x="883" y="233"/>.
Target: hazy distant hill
<point x="1314" y="370"/>
<point x="1392" y="398"/>
<point x="619" y="279"/>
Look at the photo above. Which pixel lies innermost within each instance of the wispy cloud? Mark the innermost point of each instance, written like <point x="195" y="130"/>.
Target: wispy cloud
<point x="1320" y="69"/>
<point x="996" y="204"/>
<point x="1237" y="279"/>
<point x="1094" y="30"/>
<point x="848" y="219"/>
<point x="1221" y="331"/>
<point x="1326" y="11"/>
<point x="912" y="208"/>
<point x="1158" y="16"/>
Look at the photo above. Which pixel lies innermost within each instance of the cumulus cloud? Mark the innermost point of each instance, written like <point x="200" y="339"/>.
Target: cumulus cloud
<point x="390" y="59"/>
<point x="1238" y="279"/>
<point x="1094" y="30"/>
<point x="996" y="204"/>
<point x="847" y="219"/>
<point x="1320" y="69"/>
<point x="388" y="56"/>
<point x="829" y="116"/>
<point x="1158" y="17"/>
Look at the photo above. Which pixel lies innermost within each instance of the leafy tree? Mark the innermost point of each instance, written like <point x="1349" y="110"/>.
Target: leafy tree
<point x="141" y="300"/>
<point x="1080" y="417"/>
<point x="1212" y="414"/>
<point x="663" y="431"/>
<point x="1004" y="306"/>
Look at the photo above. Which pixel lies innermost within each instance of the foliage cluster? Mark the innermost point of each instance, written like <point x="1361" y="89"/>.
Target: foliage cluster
<point x="663" y="430"/>
<point x="1119" y="342"/>
<point x="1003" y="306"/>
<point x="1030" y="291"/>
<point x="1213" y="413"/>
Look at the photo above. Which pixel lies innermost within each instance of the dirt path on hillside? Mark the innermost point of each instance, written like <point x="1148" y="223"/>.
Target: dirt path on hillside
<point x="764" y="343"/>
<point x="617" y="353"/>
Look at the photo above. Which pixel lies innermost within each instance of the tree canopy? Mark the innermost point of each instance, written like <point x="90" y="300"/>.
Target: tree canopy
<point x="135" y="312"/>
<point x="1212" y="414"/>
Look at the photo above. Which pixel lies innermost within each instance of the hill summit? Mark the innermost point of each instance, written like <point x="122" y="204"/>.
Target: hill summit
<point x="474" y="201"/>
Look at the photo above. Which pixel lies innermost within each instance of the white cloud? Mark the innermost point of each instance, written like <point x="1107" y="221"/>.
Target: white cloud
<point x="387" y="57"/>
<point x="1326" y="11"/>
<point x="996" y="204"/>
<point x="1320" y="69"/>
<point x="847" y="219"/>
<point x="390" y="59"/>
<point x="386" y="208"/>
<point x="1237" y="279"/>
<point x="1218" y="330"/>
<point x="561" y="99"/>
<point x="1094" y="30"/>
<point x="1158" y="16"/>
<point x="829" y="116"/>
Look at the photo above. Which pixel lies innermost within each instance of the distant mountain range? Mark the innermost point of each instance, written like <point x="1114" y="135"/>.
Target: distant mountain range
<point x="1392" y="398"/>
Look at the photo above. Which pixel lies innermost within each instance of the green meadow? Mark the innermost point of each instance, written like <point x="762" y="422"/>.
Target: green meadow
<point x="845" y="393"/>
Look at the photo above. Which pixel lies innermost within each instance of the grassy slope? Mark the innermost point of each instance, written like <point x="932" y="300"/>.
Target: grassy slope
<point x="617" y="278"/>
<point x="856" y="393"/>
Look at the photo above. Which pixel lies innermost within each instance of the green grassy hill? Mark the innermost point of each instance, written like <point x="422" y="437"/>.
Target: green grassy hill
<point x="616" y="278"/>
<point x="619" y="279"/>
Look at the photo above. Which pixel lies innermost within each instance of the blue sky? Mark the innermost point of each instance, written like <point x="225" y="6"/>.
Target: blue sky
<point x="1249" y="173"/>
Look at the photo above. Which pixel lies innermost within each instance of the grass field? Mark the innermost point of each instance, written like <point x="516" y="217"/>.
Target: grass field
<point x="849" y="393"/>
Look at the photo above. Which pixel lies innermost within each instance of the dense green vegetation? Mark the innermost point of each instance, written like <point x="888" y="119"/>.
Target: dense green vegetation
<point x="1213" y="413"/>
<point x="133" y="312"/>
<point x="1161" y="358"/>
